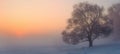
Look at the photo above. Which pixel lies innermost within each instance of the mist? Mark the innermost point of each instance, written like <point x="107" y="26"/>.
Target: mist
<point x="114" y="14"/>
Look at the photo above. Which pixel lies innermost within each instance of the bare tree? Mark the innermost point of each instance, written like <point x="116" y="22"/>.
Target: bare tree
<point x="87" y="23"/>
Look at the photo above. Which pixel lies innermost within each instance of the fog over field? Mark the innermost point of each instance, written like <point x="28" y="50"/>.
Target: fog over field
<point x="44" y="36"/>
<point x="54" y="37"/>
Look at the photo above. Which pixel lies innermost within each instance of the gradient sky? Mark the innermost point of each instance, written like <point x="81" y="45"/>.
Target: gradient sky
<point x="24" y="18"/>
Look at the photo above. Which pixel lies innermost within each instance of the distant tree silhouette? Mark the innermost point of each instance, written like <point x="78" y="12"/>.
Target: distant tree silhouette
<point x="114" y="13"/>
<point x="86" y="24"/>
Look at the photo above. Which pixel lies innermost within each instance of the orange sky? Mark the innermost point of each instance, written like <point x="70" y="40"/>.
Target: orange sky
<point x="41" y="16"/>
<point x="23" y="16"/>
<point x="40" y="22"/>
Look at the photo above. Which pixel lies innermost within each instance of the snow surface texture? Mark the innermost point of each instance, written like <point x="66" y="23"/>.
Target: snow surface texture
<point x="104" y="49"/>
<point x="98" y="49"/>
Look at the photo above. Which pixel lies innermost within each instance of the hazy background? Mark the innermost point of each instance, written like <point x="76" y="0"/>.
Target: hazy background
<point x="37" y="22"/>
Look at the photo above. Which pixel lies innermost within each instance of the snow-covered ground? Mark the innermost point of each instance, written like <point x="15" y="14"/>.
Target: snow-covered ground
<point x="101" y="46"/>
<point x="98" y="49"/>
<point x="101" y="49"/>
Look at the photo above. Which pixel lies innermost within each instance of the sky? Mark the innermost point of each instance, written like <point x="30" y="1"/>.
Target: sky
<point x="37" y="21"/>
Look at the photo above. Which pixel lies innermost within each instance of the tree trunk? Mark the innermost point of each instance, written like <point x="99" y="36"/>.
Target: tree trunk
<point x="90" y="43"/>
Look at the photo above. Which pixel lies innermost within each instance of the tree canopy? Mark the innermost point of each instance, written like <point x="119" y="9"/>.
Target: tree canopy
<point x="87" y="23"/>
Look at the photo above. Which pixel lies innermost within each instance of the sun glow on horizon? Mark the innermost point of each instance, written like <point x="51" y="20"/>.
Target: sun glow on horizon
<point x="23" y="16"/>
